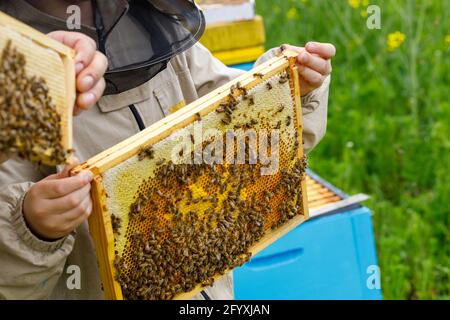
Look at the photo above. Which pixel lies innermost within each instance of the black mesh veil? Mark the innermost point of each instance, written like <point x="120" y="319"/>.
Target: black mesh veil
<point x="148" y="33"/>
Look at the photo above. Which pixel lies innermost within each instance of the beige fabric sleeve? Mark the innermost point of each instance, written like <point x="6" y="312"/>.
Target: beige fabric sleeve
<point x="207" y="72"/>
<point x="29" y="267"/>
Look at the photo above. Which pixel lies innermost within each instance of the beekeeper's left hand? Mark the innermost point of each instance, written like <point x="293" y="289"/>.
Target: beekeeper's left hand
<point x="314" y="64"/>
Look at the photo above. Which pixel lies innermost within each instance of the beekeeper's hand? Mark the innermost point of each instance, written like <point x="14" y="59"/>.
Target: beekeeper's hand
<point x="314" y="64"/>
<point x="58" y="204"/>
<point x="90" y="67"/>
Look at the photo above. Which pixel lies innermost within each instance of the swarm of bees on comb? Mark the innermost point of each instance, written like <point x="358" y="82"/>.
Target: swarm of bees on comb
<point x="200" y="245"/>
<point x="188" y="223"/>
<point x="30" y="125"/>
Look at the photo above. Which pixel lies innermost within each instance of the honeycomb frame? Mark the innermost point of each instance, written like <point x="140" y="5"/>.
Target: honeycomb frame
<point x="100" y="222"/>
<point x="51" y="60"/>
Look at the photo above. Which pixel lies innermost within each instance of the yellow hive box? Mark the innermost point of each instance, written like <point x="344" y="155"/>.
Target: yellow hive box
<point x="47" y="59"/>
<point x="234" y="35"/>
<point x="239" y="55"/>
<point x="174" y="209"/>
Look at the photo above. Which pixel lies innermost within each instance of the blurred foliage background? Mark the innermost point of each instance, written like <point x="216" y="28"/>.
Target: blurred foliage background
<point x="389" y="125"/>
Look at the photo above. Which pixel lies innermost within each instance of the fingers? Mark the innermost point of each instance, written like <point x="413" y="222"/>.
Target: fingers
<point x="91" y="84"/>
<point x="324" y="50"/>
<point x="57" y="188"/>
<point x="90" y="66"/>
<point x="74" y="217"/>
<point x="93" y="72"/>
<point x="61" y="225"/>
<point x="311" y="76"/>
<point x="57" y="205"/>
<point x="65" y="173"/>
<point x="315" y="63"/>
<point x="88" y="99"/>
<point x="84" y="46"/>
<point x="77" y="216"/>
<point x="71" y="201"/>
<point x="293" y="48"/>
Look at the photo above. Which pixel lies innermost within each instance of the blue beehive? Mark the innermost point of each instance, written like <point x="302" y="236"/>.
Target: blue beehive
<point x="330" y="257"/>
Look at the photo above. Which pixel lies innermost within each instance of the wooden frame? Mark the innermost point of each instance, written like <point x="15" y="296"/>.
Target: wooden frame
<point x="66" y="56"/>
<point x="100" y="221"/>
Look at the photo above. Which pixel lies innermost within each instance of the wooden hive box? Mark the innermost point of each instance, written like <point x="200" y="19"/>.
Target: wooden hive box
<point x="164" y="225"/>
<point x="45" y="60"/>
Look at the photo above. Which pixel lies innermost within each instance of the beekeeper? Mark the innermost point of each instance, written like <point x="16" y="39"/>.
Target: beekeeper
<point x="156" y="66"/>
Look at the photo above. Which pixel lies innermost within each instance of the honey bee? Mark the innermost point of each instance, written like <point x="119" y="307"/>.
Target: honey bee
<point x="116" y="223"/>
<point x="226" y="120"/>
<point x="284" y="78"/>
<point x="258" y="75"/>
<point x="207" y="282"/>
<point x="288" y="121"/>
<point x="221" y="109"/>
<point x="147" y="152"/>
<point x="141" y="154"/>
<point x="281" y="108"/>
<point x="269" y="86"/>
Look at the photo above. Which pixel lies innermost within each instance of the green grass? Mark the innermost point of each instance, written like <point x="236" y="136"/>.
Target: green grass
<point x="389" y="127"/>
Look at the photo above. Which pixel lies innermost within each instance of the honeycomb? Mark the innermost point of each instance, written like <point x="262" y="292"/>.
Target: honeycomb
<point x="35" y="96"/>
<point x="179" y="223"/>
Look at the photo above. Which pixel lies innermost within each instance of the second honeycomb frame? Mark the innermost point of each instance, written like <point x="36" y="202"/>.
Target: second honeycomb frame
<point x="66" y="57"/>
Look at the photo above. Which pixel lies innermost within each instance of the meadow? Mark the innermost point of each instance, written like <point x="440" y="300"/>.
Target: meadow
<point x="389" y="125"/>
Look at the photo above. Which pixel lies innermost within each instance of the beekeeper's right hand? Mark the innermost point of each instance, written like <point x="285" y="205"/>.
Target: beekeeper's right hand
<point x="58" y="204"/>
<point x="90" y="67"/>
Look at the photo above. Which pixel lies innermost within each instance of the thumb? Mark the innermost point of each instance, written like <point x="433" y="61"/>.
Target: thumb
<point x="285" y="47"/>
<point x="66" y="169"/>
<point x="65" y="172"/>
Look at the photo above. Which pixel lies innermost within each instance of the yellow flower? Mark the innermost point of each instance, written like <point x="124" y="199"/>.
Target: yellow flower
<point x="395" y="40"/>
<point x="364" y="13"/>
<point x="447" y="39"/>
<point x="292" y="13"/>
<point x="354" y="3"/>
